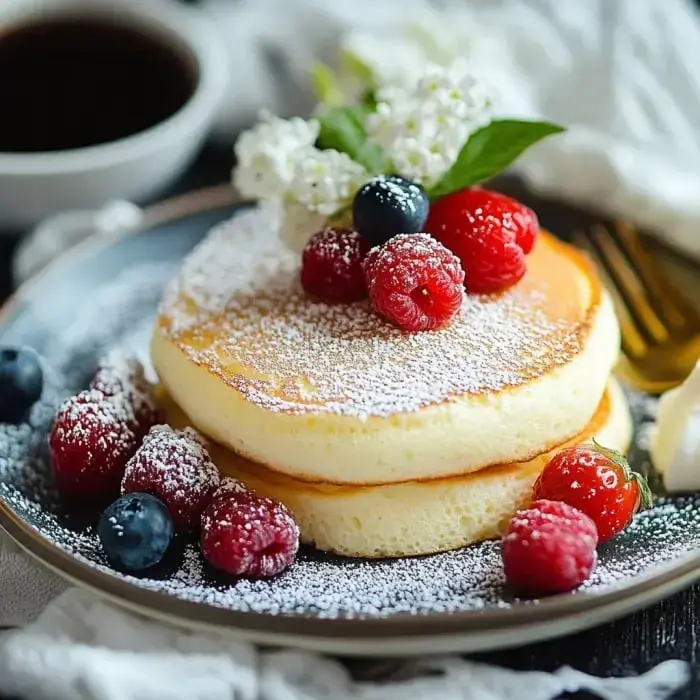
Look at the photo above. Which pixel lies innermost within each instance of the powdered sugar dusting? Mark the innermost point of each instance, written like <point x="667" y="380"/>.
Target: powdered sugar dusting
<point x="237" y="300"/>
<point x="91" y="419"/>
<point x="122" y="378"/>
<point x="230" y="485"/>
<point x="173" y="465"/>
<point x="120" y="315"/>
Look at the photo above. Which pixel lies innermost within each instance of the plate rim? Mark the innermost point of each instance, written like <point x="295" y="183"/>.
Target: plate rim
<point x="682" y="571"/>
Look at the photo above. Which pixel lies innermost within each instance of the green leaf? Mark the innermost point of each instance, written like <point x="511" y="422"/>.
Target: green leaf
<point x="490" y="150"/>
<point x="368" y="100"/>
<point x="325" y="84"/>
<point x="343" y="128"/>
<point x="353" y="64"/>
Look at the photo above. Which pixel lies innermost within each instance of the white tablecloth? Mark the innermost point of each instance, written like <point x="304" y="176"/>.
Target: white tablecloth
<point x="79" y="647"/>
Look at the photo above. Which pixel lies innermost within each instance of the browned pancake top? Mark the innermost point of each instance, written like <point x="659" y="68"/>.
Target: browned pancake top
<point x="237" y="309"/>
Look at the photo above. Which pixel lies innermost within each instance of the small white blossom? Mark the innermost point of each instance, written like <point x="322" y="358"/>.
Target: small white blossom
<point x="423" y="127"/>
<point x="325" y="181"/>
<point x="267" y="155"/>
<point x="298" y="224"/>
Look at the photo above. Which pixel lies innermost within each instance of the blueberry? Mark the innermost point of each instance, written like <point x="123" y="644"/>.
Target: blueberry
<point x="135" y="531"/>
<point x="388" y="205"/>
<point x="21" y="380"/>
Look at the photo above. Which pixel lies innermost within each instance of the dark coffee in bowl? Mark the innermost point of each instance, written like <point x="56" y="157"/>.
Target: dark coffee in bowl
<point x="73" y="82"/>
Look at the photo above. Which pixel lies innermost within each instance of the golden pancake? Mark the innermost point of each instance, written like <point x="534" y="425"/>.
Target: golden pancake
<point x="333" y="394"/>
<point x="416" y="517"/>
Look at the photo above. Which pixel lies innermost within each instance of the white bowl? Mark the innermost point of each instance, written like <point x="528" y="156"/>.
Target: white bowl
<point x="35" y="185"/>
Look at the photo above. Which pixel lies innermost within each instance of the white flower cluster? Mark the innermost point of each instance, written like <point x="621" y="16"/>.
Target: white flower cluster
<point x="277" y="161"/>
<point x="266" y="155"/>
<point x="422" y="128"/>
<point x="326" y="180"/>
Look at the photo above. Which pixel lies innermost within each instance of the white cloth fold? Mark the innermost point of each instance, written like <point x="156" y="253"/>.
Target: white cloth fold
<point x="82" y="648"/>
<point x="621" y="75"/>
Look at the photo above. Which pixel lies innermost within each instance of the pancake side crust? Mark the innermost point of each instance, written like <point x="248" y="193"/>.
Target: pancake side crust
<point x="419" y="517"/>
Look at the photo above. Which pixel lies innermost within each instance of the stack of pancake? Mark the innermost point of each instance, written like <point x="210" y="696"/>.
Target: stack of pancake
<point x="382" y="442"/>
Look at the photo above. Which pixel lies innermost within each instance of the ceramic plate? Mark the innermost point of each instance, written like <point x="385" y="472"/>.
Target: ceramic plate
<point x="102" y="297"/>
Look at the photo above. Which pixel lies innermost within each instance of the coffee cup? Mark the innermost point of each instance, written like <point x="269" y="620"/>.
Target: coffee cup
<point x="110" y="101"/>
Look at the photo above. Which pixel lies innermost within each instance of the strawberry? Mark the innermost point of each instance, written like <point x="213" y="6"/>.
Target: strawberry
<point x="599" y="482"/>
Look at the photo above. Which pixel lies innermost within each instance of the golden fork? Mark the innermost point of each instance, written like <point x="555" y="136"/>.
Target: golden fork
<point x="660" y="328"/>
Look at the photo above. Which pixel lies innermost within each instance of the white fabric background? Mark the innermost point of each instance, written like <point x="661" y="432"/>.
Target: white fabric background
<point x="622" y="74"/>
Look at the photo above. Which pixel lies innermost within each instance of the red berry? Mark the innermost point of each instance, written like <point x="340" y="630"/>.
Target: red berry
<point x="246" y="535"/>
<point x="549" y="548"/>
<point x="332" y="265"/>
<point x="91" y="441"/>
<point x="598" y="482"/>
<point x="415" y="282"/>
<point x="118" y="375"/>
<point x="175" y="467"/>
<point x="490" y="233"/>
<point x="227" y="486"/>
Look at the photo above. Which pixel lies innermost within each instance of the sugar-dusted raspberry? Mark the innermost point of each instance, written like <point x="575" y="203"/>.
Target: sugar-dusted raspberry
<point x="332" y="265"/>
<point x="246" y="535"/>
<point x="121" y="375"/>
<point x="174" y="466"/>
<point x="549" y="548"/>
<point x="228" y="486"/>
<point x="91" y="441"/>
<point x="490" y="233"/>
<point x="415" y="282"/>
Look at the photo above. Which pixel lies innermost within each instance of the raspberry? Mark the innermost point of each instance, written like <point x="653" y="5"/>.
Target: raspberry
<point x="415" y="282"/>
<point x="490" y="233"/>
<point x="246" y="535"/>
<point x="175" y="467"/>
<point x="118" y="375"/>
<point x="549" y="548"/>
<point x="332" y="265"/>
<point x="91" y="441"/>
<point x="227" y="486"/>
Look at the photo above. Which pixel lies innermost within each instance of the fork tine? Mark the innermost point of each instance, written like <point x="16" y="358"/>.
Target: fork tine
<point x="629" y="286"/>
<point x="633" y="344"/>
<point x="673" y="309"/>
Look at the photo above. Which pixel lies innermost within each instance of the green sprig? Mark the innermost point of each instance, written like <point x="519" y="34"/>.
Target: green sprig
<point x="489" y="151"/>
<point x="326" y="85"/>
<point x="343" y="128"/>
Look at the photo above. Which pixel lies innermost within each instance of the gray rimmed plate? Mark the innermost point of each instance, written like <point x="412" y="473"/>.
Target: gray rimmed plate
<point x="104" y="295"/>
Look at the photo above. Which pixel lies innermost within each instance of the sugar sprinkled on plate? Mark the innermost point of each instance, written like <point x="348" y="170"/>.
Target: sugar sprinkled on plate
<point x="121" y="315"/>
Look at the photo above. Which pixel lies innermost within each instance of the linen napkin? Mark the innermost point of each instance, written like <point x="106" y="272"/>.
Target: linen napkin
<point x="82" y="648"/>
